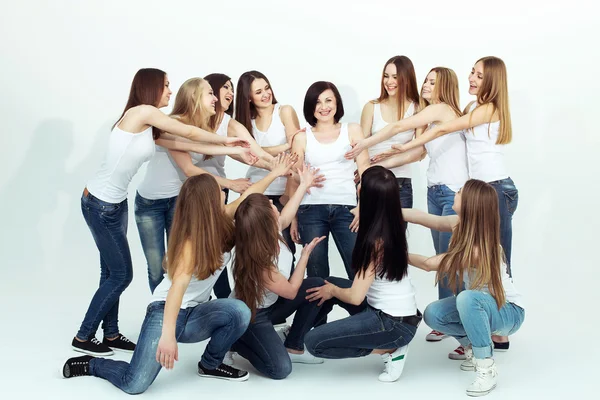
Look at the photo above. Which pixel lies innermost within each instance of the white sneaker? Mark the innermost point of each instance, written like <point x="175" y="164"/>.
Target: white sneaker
<point x="485" y="381"/>
<point x="457" y="354"/>
<point x="228" y="360"/>
<point x="394" y="364"/>
<point x="468" y="365"/>
<point x="435" y="336"/>
<point x="305" y="358"/>
<point x="283" y="332"/>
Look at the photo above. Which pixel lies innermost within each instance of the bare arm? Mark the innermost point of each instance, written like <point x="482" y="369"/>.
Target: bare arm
<point x="288" y="289"/>
<point x="399" y="159"/>
<point x="235" y="129"/>
<point x="307" y="179"/>
<point x="353" y="295"/>
<point x="479" y="116"/>
<point x="437" y="223"/>
<point x="362" y="159"/>
<point x="425" y="263"/>
<point x="366" y="119"/>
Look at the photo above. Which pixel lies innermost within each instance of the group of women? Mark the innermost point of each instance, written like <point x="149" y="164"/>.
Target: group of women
<point x="350" y="180"/>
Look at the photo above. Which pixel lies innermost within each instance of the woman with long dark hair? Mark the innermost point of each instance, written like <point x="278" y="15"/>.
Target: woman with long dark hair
<point x="104" y="201"/>
<point x="385" y="316"/>
<point x="490" y="302"/>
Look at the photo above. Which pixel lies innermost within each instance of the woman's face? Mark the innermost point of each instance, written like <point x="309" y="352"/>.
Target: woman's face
<point x="326" y="106"/>
<point x="476" y="78"/>
<point x="428" y="86"/>
<point x="261" y="94"/>
<point x="166" y="95"/>
<point x="208" y="100"/>
<point x="226" y="95"/>
<point x="390" y="79"/>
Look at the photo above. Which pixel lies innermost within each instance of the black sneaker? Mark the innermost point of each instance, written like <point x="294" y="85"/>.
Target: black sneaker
<point x="93" y="347"/>
<point x="223" y="371"/>
<point x="498" y="346"/>
<point x="77" y="366"/>
<point x="121" y="343"/>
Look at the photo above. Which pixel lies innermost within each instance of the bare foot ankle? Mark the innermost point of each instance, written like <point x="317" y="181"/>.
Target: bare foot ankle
<point x="500" y="339"/>
<point x="293" y="351"/>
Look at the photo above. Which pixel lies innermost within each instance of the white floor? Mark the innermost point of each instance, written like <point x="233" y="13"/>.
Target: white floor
<point x="546" y="359"/>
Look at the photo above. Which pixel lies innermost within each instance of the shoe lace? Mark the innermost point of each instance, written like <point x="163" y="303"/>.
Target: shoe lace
<point x="124" y="339"/>
<point x="231" y="371"/>
<point x="79" y="368"/>
<point x="387" y="364"/>
<point x="95" y="341"/>
<point x="460" y="350"/>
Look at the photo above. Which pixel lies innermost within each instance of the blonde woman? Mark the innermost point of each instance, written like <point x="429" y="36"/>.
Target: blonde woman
<point x="157" y="193"/>
<point x="487" y="129"/>
<point x="490" y="302"/>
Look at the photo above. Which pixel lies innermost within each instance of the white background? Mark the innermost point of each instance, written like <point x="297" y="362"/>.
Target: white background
<point x="66" y="68"/>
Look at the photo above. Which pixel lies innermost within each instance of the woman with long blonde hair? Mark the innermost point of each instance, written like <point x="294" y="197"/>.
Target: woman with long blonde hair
<point x="490" y="302"/>
<point x="157" y="193"/>
<point x="487" y="129"/>
<point x="447" y="171"/>
<point x="104" y="200"/>
<point x="180" y="310"/>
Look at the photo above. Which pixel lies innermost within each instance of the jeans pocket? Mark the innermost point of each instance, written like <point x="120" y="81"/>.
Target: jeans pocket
<point x="142" y="201"/>
<point x="511" y="196"/>
<point x="304" y="208"/>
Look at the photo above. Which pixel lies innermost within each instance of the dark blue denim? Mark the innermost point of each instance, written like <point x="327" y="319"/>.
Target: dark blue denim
<point x="359" y="334"/>
<point x="440" y="199"/>
<point x="406" y="192"/>
<point x="108" y="224"/>
<point x="316" y="220"/>
<point x="154" y="219"/>
<point x="261" y="345"/>
<point x="223" y="321"/>
<point x="508" y="200"/>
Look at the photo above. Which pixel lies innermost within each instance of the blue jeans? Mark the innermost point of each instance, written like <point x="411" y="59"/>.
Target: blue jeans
<point x="223" y="321"/>
<point x="153" y="219"/>
<point x="406" y="192"/>
<point x="472" y="317"/>
<point x="508" y="200"/>
<point x="261" y="345"/>
<point x="359" y="334"/>
<point x="108" y="224"/>
<point x="316" y="220"/>
<point x="440" y="199"/>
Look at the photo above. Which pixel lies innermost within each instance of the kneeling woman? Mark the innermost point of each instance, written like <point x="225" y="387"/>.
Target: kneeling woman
<point x="261" y="269"/>
<point x="180" y="310"/>
<point x="387" y="321"/>
<point x="490" y="304"/>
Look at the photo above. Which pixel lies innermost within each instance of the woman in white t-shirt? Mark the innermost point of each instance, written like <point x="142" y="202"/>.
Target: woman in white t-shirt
<point x="490" y="302"/>
<point x="104" y="200"/>
<point x="381" y="299"/>
<point x="157" y="193"/>
<point x="180" y="310"/>
<point x="264" y="281"/>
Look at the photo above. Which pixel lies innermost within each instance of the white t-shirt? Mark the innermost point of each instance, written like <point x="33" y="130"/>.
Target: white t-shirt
<point x="395" y="298"/>
<point x="448" y="161"/>
<point x="216" y="164"/>
<point x="510" y="291"/>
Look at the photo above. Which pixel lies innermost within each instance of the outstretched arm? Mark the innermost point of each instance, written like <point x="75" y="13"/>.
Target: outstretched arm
<point x="437" y="223"/>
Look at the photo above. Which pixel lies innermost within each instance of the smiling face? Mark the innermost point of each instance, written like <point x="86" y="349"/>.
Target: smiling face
<point x="166" y="95"/>
<point x="261" y="94"/>
<point x="208" y="99"/>
<point x="428" y="87"/>
<point x="326" y="106"/>
<point x="390" y="79"/>
<point x="476" y="78"/>
<point x="226" y="95"/>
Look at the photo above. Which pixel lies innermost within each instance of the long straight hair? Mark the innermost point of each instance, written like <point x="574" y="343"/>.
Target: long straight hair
<point x="217" y="81"/>
<point x="475" y="244"/>
<point x="381" y="235"/>
<point x="257" y="241"/>
<point x="407" y="84"/>
<point x="245" y="110"/>
<point x="188" y="107"/>
<point x="200" y="220"/>
<point x="147" y="88"/>
<point x="494" y="90"/>
<point x="445" y="89"/>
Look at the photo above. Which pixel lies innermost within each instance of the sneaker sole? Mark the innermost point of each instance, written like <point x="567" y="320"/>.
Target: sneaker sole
<point x="122" y="350"/>
<point x="471" y="368"/>
<point x="457" y="357"/>
<point x="435" y="339"/>
<point x="478" y="394"/>
<point x="92" y="353"/>
<point x="241" y="379"/>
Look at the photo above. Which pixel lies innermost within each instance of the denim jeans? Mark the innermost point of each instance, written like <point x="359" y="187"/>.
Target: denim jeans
<point x="472" y="317"/>
<point x="406" y="192"/>
<point x="153" y="219"/>
<point x="261" y="345"/>
<point x="223" y="321"/>
<point x="108" y="224"/>
<point x="508" y="200"/>
<point x="316" y="220"/>
<point x="359" y="334"/>
<point x="440" y="199"/>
